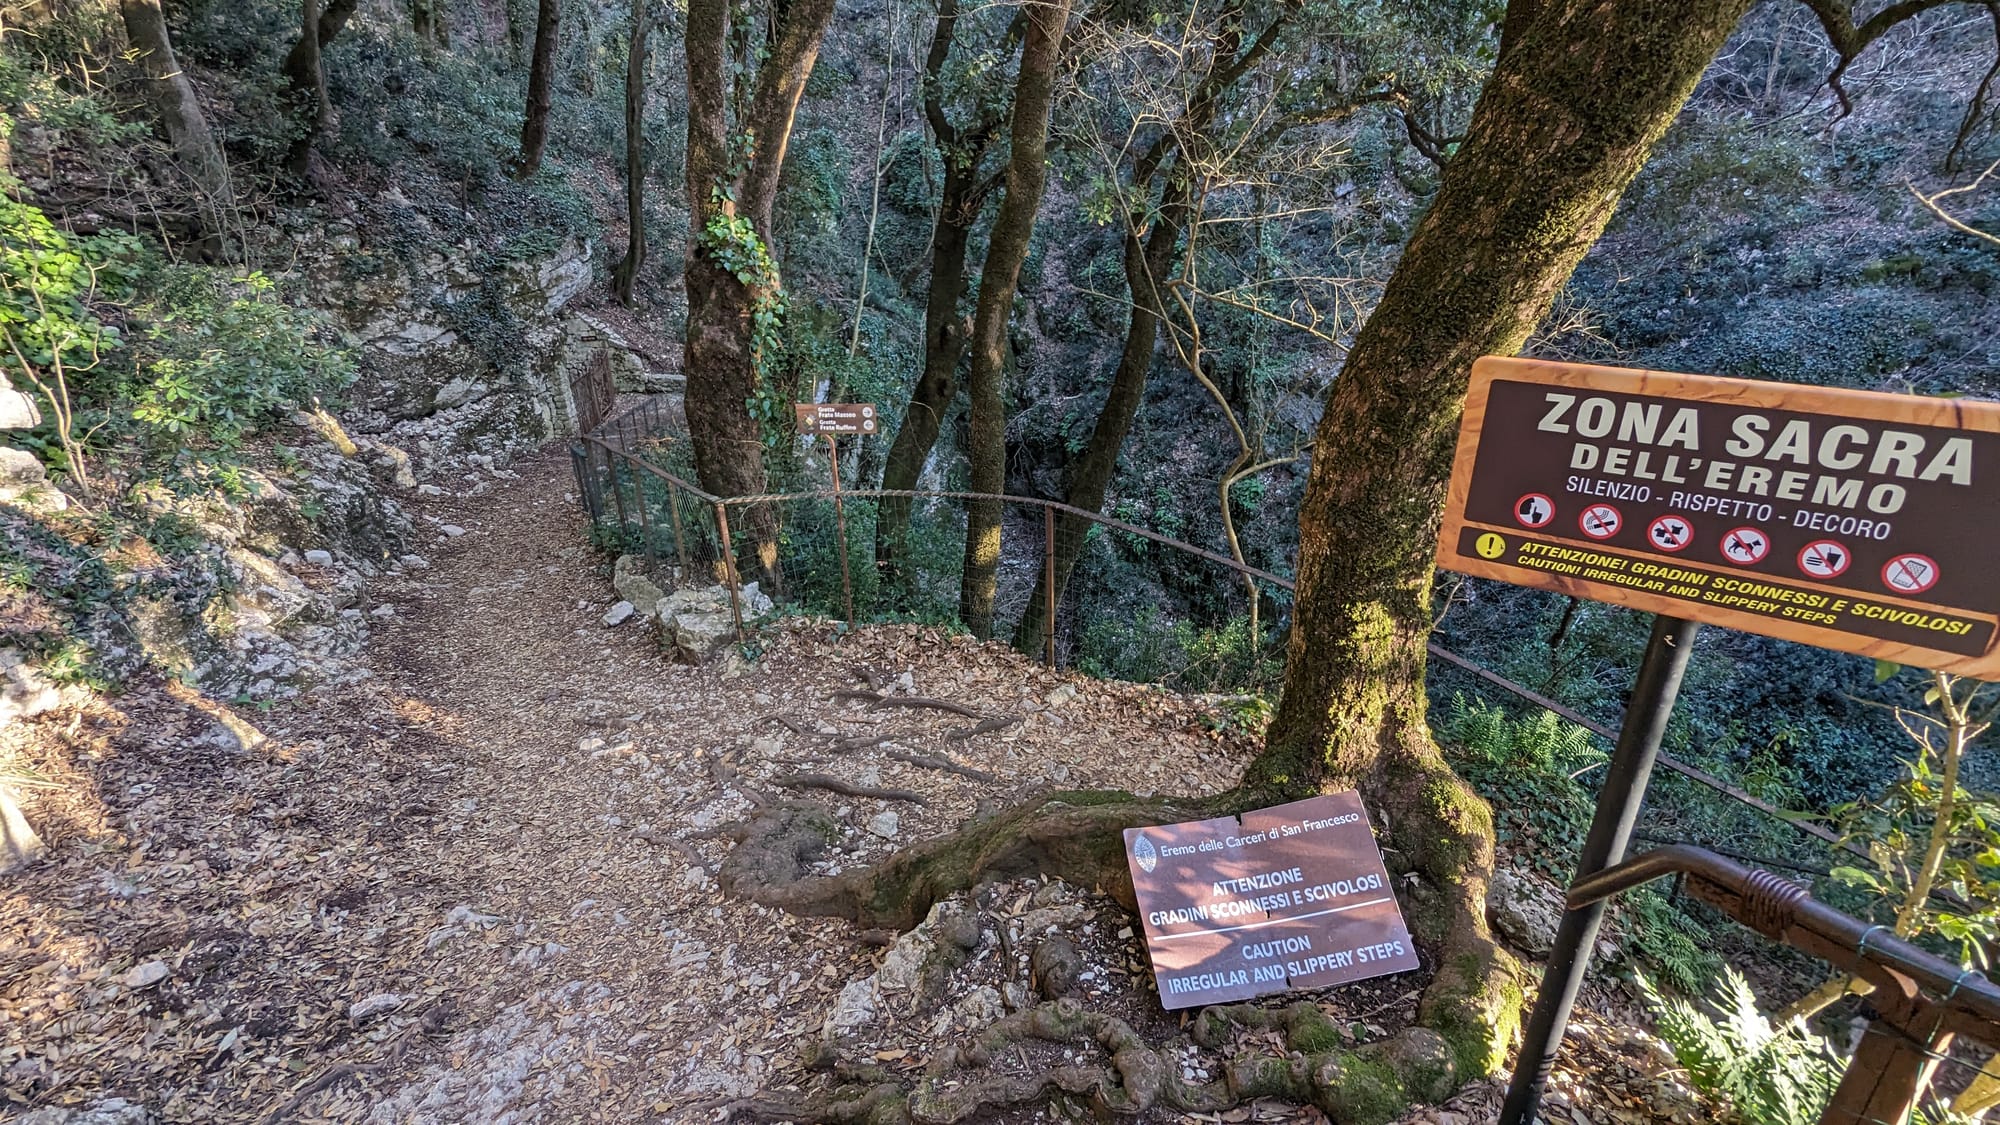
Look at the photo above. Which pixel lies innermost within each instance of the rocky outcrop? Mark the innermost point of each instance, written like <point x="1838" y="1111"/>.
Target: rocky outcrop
<point x="696" y="624"/>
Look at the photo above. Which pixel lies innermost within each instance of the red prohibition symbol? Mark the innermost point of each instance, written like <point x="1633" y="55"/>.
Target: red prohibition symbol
<point x="1910" y="574"/>
<point x="1534" y="510"/>
<point x="1746" y="546"/>
<point x="1600" y="521"/>
<point x="1824" y="558"/>
<point x="1670" y="533"/>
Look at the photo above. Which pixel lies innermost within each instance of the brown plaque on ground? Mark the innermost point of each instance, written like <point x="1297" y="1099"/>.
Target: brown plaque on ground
<point x="1852" y="520"/>
<point x="1288" y="897"/>
<point x="836" y="417"/>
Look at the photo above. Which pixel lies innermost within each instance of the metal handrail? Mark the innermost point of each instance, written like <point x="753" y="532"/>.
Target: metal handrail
<point x="1782" y="910"/>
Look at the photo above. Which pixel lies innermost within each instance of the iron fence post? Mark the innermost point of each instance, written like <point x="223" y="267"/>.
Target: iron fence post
<point x="1049" y="583"/>
<point x="840" y="528"/>
<point x="645" y="522"/>
<point x="729" y="567"/>
<point x="674" y="515"/>
<point x="617" y="492"/>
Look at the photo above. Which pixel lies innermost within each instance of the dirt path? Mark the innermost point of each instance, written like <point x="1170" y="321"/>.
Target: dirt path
<point x="469" y="881"/>
<point x="618" y="983"/>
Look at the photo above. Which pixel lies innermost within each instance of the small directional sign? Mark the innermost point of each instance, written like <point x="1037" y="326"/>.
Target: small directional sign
<point x="1824" y="558"/>
<point x="1670" y="533"/>
<point x="1534" y="510"/>
<point x="1910" y="574"/>
<point x="1746" y="546"/>
<point x="1600" y="521"/>
<point x="836" y="417"/>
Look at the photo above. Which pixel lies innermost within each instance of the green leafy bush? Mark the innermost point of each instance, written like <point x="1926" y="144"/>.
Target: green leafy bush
<point x="223" y="355"/>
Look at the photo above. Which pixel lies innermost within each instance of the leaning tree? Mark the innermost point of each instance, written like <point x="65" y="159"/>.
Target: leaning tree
<point x="1581" y="93"/>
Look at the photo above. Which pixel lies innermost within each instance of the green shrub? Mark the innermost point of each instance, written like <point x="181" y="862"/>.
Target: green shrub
<point x="224" y="355"/>
<point x="1767" y="1075"/>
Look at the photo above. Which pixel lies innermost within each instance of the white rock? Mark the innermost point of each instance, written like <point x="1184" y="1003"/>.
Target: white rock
<point x="452" y="531"/>
<point x="375" y="1005"/>
<point x="619" y="614"/>
<point x="1061" y="695"/>
<point x="884" y="824"/>
<point x="429" y="490"/>
<point x="146" y="975"/>
<point x="415" y="562"/>
<point x="319" y="558"/>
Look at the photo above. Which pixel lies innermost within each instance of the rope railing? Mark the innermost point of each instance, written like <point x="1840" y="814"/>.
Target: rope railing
<point x="600" y="450"/>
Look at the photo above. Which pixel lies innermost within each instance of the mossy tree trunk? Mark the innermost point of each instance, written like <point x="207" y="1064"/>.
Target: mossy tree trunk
<point x="305" y="73"/>
<point x="733" y="170"/>
<point x="625" y="274"/>
<point x="960" y="200"/>
<point x="541" y="91"/>
<point x="1006" y="251"/>
<point x="173" y="99"/>
<point x="1572" y="110"/>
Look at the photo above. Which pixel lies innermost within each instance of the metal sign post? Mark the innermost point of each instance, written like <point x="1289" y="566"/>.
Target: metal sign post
<point x="830" y="418"/>
<point x="1851" y="520"/>
<point x="1618" y="804"/>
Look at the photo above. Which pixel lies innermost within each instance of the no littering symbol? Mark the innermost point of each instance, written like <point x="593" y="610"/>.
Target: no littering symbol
<point x="1534" y="510"/>
<point x="1824" y="558"/>
<point x="1910" y="574"/>
<point x="1670" y="533"/>
<point x="1600" y="521"/>
<point x="1746" y="546"/>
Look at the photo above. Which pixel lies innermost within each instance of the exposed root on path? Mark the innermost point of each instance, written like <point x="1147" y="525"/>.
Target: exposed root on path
<point x="1363" y="1085"/>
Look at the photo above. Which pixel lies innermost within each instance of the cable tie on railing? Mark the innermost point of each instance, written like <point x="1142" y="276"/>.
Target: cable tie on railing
<point x="1961" y="980"/>
<point x="1861" y="949"/>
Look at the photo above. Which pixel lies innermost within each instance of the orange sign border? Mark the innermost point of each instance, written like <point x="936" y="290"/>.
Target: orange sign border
<point x="1963" y="414"/>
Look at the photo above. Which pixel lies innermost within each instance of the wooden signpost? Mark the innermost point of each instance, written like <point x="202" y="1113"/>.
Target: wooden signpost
<point x="1293" y="896"/>
<point x="831" y="419"/>
<point x="1855" y="521"/>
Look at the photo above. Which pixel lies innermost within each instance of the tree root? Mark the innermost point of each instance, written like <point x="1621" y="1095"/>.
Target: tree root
<point x="983" y="726"/>
<point x="846" y="788"/>
<point x="1360" y="1086"/>
<point x="946" y="765"/>
<point x="876" y="701"/>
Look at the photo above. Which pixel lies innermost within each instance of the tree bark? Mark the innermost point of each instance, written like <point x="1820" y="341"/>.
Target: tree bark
<point x="1148" y="260"/>
<point x="624" y="275"/>
<point x="720" y="358"/>
<point x="1573" y="109"/>
<point x="541" y="84"/>
<point x="1006" y="250"/>
<point x="960" y="201"/>
<point x="1151" y="254"/>
<point x="173" y="98"/>
<point x="305" y="73"/>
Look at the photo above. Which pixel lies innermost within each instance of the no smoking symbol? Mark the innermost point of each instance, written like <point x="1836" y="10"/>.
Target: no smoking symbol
<point x="1600" y="521"/>
<point x="1824" y="558"/>
<point x="1746" y="546"/>
<point x="1910" y="574"/>
<point x="1670" y="533"/>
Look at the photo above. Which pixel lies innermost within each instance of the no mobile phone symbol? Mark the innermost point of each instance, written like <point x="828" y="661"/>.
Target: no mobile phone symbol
<point x="1600" y="521"/>
<point x="1746" y="546"/>
<point x="1910" y="574"/>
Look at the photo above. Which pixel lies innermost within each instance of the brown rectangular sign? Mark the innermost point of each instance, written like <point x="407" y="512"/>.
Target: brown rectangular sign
<point x="836" y="417"/>
<point x="1852" y="520"/>
<point x="1288" y="897"/>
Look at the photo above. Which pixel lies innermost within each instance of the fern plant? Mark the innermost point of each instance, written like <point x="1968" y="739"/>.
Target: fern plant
<point x="1768" y="1075"/>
